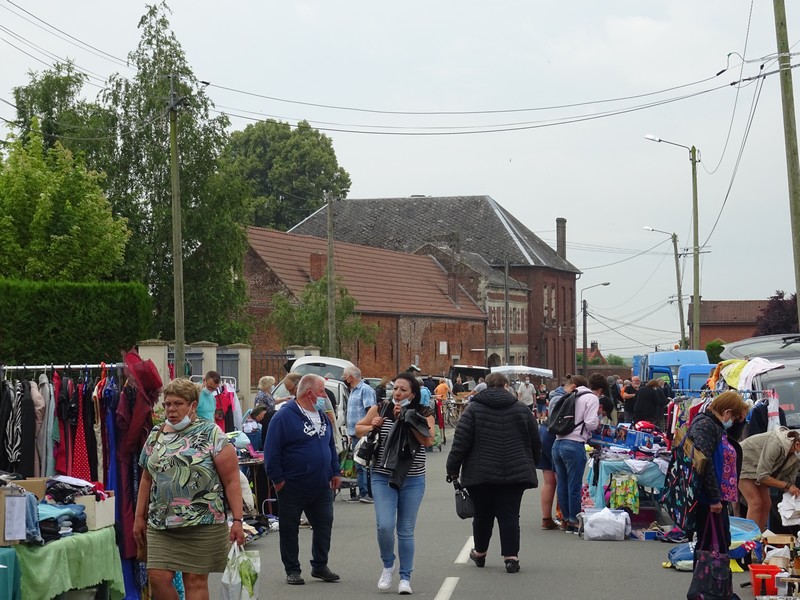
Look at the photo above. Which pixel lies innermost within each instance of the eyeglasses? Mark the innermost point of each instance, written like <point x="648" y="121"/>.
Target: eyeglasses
<point x="169" y="405"/>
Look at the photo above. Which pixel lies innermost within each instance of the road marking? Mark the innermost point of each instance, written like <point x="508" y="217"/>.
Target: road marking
<point x="447" y="588"/>
<point x="463" y="556"/>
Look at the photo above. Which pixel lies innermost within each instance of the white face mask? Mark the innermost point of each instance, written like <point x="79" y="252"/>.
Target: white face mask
<point x="797" y="454"/>
<point x="182" y="424"/>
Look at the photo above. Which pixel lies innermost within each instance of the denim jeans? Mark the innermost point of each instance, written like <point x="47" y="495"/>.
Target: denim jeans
<point x="569" y="460"/>
<point x="361" y="473"/>
<point x="319" y="511"/>
<point x="397" y="509"/>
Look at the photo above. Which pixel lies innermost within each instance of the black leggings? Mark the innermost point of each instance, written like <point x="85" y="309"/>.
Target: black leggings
<point x="501" y="502"/>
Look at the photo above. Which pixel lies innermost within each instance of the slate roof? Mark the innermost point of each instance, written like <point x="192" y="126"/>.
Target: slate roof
<point x="405" y="224"/>
<point x="730" y="311"/>
<point x="493" y="276"/>
<point x="381" y="281"/>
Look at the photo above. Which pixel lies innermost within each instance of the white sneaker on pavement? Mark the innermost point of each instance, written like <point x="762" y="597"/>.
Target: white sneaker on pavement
<point x="385" y="582"/>
<point x="404" y="588"/>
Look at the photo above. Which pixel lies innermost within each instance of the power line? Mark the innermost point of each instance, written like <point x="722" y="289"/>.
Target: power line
<point x="588" y="314"/>
<point x="624" y="259"/>
<point x="45" y="63"/>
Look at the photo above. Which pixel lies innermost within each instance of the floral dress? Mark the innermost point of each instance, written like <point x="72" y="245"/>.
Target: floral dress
<point x="186" y="488"/>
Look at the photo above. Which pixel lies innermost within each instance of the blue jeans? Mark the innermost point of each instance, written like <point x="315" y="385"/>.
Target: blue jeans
<point x="361" y="472"/>
<point x="318" y="507"/>
<point x="397" y="509"/>
<point x="569" y="460"/>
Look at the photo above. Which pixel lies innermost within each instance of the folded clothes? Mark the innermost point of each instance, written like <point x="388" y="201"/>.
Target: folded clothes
<point x="54" y="511"/>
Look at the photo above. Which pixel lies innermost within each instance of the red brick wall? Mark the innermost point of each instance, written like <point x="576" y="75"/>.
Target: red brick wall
<point x="725" y="332"/>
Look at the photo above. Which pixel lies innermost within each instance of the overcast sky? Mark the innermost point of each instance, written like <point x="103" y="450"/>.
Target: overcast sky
<point x="467" y="56"/>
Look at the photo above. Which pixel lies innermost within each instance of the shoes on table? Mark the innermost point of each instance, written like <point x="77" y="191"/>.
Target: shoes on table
<point x="325" y="574"/>
<point x="366" y="500"/>
<point x="549" y="524"/>
<point x="385" y="582"/>
<point x="294" y="579"/>
<point x="404" y="588"/>
<point x="479" y="561"/>
<point x="512" y="565"/>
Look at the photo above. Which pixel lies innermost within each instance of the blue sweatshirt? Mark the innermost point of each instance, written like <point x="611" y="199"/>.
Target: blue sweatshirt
<point x="303" y="459"/>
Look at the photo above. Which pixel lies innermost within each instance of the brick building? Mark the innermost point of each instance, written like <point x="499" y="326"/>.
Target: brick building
<point x="476" y="224"/>
<point x="726" y="320"/>
<point x="423" y="316"/>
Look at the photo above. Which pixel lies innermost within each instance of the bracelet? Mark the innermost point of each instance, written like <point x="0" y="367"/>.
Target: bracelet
<point x="237" y="520"/>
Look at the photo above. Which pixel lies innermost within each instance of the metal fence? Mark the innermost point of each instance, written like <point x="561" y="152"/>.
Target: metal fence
<point x="267" y="363"/>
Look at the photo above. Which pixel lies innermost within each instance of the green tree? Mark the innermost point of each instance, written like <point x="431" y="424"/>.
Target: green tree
<point x="778" y="316"/>
<point x="215" y="208"/>
<point x="305" y="322"/>
<point x="714" y="349"/>
<point x="613" y="359"/>
<point x="55" y="221"/>
<point x="287" y="170"/>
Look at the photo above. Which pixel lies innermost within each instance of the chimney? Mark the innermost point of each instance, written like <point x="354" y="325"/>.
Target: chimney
<point x="561" y="237"/>
<point x="319" y="264"/>
<point x="594" y="347"/>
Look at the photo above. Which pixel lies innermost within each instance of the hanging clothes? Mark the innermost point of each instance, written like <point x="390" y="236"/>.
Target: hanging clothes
<point x="6" y="409"/>
<point x="27" y="431"/>
<point x="223" y="415"/>
<point x="40" y="416"/>
<point x="80" y="455"/>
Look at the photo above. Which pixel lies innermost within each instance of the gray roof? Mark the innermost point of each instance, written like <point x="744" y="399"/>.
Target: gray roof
<point x="494" y="276"/>
<point x="405" y="224"/>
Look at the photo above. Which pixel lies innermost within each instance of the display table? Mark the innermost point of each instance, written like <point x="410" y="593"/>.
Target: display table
<point x="71" y="563"/>
<point x="9" y="575"/>
<point x="651" y="477"/>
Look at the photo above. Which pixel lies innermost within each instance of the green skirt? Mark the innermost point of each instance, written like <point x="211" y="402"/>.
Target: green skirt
<point x="197" y="549"/>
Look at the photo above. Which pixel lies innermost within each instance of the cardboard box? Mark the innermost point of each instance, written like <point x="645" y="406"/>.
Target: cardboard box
<point x="98" y="514"/>
<point x="5" y="494"/>
<point x="779" y="539"/>
<point x="35" y="485"/>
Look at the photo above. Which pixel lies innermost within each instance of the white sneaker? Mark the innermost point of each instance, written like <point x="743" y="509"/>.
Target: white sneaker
<point x="404" y="588"/>
<point x="385" y="582"/>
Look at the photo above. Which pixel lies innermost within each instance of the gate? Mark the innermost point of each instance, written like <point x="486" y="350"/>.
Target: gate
<point x="267" y="363"/>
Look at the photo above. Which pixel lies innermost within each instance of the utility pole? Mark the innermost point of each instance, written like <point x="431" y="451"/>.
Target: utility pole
<point x="695" y="254"/>
<point x="177" y="236"/>
<point x="790" y="134"/>
<point x="331" y="283"/>
<point x="680" y="292"/>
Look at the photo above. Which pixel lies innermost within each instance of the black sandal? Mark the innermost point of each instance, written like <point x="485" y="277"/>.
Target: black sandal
<point x="480" y="561"/>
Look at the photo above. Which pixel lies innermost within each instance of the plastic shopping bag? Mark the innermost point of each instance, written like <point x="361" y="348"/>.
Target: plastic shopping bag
<point x="239" y="580"/>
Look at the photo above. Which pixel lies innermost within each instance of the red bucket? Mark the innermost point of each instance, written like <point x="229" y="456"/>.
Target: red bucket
<point x="770" y="570"/>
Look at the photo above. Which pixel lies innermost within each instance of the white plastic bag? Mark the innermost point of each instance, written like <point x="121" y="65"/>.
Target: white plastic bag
<point x="240" y="578"/>
<point x="607" y="525"/>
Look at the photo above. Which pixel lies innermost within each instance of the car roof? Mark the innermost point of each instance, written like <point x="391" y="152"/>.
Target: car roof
<point x="782" y="345"/>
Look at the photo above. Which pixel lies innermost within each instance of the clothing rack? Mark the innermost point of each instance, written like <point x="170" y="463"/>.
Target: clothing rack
<point x="55" y="367"/>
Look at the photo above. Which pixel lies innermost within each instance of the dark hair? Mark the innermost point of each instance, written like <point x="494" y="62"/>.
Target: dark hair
<point x="257" y="411"/>
<point x="415" y="389"/>
<point x="213" y="376"/>
<point x="578" y="380"/>
<point x="496" y="380"/>
<point x="598" y="382"/>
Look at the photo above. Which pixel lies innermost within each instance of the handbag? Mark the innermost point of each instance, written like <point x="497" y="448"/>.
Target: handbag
<point x="711" y="579"/>
<point x="465" y="508"/>
<point x="366" y="450"/>
<point x="241" y="574"/>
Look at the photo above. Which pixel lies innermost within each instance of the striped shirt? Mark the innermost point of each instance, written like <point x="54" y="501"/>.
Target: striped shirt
<point x="417" y="467"/>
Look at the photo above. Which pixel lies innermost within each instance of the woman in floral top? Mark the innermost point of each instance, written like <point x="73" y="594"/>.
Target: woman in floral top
<point x="188" y="464"/>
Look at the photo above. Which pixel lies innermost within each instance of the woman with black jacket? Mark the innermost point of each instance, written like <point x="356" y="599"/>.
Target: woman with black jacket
<point x="494" y="453"/>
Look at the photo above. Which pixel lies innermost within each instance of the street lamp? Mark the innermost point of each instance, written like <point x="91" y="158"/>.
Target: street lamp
<point x="583" y="310"/>
<point x="695" y="241"/>
<point x="674" y="237"/>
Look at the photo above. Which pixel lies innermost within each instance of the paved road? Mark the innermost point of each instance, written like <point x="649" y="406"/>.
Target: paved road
<point x="553" y="564"/>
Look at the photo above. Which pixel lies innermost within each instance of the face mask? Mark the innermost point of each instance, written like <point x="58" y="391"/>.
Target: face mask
<point x="728" y="424"/>
<point x="403" y="403"/>
<point x="182" y="424"/>
<point x="320" y="404"/>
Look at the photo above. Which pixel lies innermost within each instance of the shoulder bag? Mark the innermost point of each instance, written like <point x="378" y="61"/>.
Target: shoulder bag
<point x="366" y="450"/>
<point x="711" y="579"/>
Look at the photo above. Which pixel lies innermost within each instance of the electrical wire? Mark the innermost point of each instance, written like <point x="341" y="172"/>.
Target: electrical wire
<point x="608" y="327"/>
<point x="624" y="259"/>
<point x="45" y="63"/>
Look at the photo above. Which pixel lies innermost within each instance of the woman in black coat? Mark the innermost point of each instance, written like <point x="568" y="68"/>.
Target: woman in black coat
<point x="650" y="404"/>
<point x="494" y="453"/>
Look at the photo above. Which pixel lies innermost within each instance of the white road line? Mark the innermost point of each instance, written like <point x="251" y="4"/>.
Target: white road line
<point x="447" y="588"/>
<point x="463" y="556"/>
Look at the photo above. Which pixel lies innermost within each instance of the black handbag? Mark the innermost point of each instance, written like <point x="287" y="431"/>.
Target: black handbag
<point x="366" y="449"/>
<point x="465" y="508"/>
<point x="711" y="579"/>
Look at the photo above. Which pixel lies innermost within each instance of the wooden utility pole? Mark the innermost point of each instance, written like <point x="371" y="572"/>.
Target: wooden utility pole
<point x="331" y="283"/>
<point x="789" y="135"/>
<point x="177" y="237"/>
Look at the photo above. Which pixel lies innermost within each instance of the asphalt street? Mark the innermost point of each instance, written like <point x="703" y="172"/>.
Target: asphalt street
<point x="554" y="564"/>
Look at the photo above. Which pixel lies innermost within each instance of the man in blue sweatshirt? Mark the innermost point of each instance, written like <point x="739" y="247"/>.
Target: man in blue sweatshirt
<point x="303" y="465"/>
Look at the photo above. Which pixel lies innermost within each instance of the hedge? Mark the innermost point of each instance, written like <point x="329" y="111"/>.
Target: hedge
<point x="56" y="322"/>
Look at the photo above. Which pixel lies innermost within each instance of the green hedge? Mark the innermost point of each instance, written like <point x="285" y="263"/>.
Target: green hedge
<point x="57" y="322"/>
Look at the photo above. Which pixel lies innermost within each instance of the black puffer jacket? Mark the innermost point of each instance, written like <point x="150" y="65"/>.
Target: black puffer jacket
<point x="496" y="441"/>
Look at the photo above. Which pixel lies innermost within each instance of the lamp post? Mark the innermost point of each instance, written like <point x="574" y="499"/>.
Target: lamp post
<point x="695" y="241"/>
<point x="584" y="305"/>
<point x="674" y="237"/>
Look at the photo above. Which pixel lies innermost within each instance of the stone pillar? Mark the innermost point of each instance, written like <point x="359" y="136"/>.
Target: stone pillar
<point x="243" y="375"/>
<point x="157" y="351"/>
<point x="209" y="350"/>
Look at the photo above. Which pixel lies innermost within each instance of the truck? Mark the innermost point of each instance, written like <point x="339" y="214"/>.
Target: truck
<point x="691" y="378"/>
<point x="666" y="364"/>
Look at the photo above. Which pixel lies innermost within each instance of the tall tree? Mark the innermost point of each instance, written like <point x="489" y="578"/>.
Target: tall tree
<point x="305" y="322"/>
<point x="214" y="206"/>
<point x="779" y="316"/>
<point x="55" y="221"/>
<point x="287" y="170"/>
